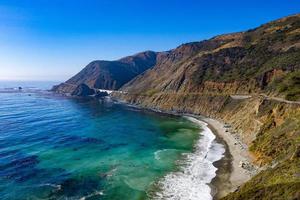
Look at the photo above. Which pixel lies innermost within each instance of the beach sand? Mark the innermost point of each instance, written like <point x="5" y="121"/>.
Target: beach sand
<point x="230" y="174"/>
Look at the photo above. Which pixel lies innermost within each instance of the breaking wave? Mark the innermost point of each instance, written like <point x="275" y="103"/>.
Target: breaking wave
<point x="191" y="182"/>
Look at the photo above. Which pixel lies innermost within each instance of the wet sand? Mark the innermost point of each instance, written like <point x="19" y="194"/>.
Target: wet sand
<point x="230" y="174"/>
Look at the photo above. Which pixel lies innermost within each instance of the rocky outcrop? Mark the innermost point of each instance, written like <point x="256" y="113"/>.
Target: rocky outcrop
<point x="100" y="94"/>
<point x="83" y="90"/>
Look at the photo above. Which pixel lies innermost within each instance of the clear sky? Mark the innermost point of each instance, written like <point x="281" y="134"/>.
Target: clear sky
<point x="54" y="39"/>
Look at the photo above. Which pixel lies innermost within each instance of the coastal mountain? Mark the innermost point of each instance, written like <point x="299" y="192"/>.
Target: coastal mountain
<point x="265" y="59"/>
<point x="249" y="80"/>
<point x="109" y="75"/>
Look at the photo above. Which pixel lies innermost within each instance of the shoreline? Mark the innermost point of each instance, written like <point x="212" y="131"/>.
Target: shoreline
<point x="230" y="174"/>
<point x="220" y="185"/>
<point x="193" y="180"/>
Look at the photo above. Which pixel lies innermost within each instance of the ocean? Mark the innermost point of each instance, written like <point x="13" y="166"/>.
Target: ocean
<point x="54" y="147"/>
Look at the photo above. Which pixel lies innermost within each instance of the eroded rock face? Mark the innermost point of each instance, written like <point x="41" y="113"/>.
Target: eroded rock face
<point x="83" y="90"/>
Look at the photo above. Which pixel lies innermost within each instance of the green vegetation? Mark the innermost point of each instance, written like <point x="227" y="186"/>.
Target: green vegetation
<point x="288" y="85"/>
<point x="279" y="183"/>
<point x="262" y="51"/>
<point x="284" y="61"/>
<point x="277" y="142"/>
<point x="245" y="64"/>
<point x="278" y="145"/>
<point x="150" y="92"/>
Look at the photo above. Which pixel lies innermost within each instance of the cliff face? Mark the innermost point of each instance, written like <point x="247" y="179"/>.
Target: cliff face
<point x="110" y="75"/>
<point x="205" y="78"/>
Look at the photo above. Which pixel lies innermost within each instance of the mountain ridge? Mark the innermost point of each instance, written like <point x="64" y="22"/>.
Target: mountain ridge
<point x="109" y="75"/>
<point x="242" y="60"/>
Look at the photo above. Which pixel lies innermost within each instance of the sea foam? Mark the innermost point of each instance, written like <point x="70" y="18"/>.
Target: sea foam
<point x="197" y="170"/>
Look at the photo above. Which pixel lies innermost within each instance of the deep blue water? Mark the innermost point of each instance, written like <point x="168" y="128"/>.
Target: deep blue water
<point x="54" y="147"/>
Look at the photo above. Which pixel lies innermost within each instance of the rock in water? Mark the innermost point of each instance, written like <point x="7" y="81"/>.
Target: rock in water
<point x="101" y="94"/>
<point x="83" y="90"/>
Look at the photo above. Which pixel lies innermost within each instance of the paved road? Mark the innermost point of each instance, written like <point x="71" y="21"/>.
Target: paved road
<point x="280" y="99"/>
<point x="240" y="96"/>
<point x="232" y="96"/>
<point x="267" y="97"/>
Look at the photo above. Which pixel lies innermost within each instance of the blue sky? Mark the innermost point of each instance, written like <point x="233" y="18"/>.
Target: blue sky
<point x="54" y="39"/>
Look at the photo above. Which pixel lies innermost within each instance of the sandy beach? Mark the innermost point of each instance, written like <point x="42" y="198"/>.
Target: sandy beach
<point x="236" y="167"/>
<point x="231" y="173"/>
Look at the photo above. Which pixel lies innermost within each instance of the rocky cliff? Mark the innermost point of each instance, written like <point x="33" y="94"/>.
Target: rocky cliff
<point x="110" y="75"/>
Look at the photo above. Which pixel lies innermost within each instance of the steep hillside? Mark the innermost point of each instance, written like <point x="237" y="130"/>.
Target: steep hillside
<point x="270" y="128"/>
<point x="110" y="75"/>
<point x="247" y="62"/>
<point x="213" y="77"/>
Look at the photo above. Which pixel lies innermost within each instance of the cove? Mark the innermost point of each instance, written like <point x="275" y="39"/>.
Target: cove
<point x="61" y="148"/>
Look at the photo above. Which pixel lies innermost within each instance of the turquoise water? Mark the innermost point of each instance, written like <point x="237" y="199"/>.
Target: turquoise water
<point x="60" y="148"/>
